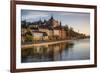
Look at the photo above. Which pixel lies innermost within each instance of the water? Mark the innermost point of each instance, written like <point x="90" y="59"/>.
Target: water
<point x="73" y="50"/>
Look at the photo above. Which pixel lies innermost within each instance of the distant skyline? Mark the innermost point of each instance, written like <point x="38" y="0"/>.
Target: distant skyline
<point x="79" y="21"/>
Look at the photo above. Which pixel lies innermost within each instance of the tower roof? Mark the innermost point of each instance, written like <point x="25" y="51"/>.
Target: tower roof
<point x="51" y="17"/>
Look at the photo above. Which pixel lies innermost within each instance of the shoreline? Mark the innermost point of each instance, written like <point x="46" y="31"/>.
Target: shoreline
<point x="47" y="43"/>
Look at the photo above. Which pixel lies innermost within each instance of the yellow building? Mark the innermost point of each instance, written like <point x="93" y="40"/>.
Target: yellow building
<point x="63" y="33"/>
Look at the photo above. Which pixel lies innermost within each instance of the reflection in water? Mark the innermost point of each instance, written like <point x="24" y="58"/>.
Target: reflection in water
<point x="76" y="50"/>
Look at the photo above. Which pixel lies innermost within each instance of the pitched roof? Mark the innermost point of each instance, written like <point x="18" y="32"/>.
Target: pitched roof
<point x="37" y="31"/>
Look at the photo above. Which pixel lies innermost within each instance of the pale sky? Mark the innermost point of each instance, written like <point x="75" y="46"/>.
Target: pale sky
<point x="79" y="21"/>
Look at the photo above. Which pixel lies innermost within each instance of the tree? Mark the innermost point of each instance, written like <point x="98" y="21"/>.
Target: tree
<point x="28" y="38"/>
<point x="66" y="27"/>
<point x="28" y="33"/>
<point x="71" y="29"/>
<point x="23" y="24"/>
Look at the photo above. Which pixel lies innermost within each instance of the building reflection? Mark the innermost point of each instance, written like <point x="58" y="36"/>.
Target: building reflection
<point x="54" y="52"/>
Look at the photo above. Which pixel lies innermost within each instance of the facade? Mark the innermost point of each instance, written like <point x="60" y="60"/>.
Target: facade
<point x="63" y="33"/>
<point x="47" y="30"/>
<point x="23" y="31"/>
<point x="57" y="33"/>
<point x="33" y="26"/>
<point x="55" y="23"/>
<point x="37" y="35"/>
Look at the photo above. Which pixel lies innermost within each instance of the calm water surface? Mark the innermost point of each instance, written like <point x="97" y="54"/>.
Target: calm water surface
<point x="73" y="50"/>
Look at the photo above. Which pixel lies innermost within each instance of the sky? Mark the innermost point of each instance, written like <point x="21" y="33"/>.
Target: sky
<point x="79" y="21"/>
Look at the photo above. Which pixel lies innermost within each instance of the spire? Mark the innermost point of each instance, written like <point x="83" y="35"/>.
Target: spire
<point x="51" y="17"/>
<point x="60" y="24"/>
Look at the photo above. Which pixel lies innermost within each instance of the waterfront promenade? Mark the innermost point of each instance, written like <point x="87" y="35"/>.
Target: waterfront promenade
<point x="44" y="43"/>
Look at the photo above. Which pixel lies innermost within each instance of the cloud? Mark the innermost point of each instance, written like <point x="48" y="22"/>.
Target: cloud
<point x="74" y="14"/>
<point x="29" y="15"/>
